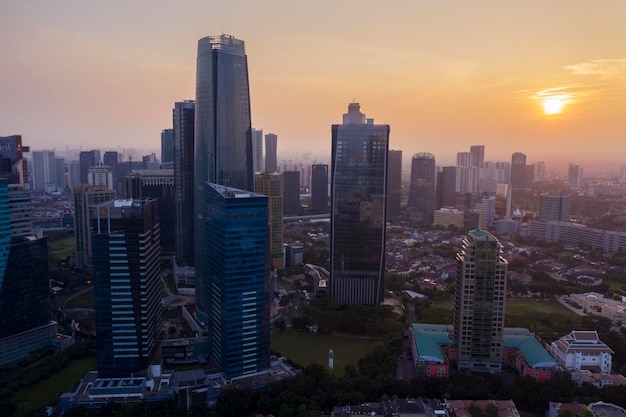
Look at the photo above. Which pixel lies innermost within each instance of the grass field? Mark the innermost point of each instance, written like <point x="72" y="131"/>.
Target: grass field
<point x="307" y="348"/>
<point x="60" y="249"/>
<point x="47" y="392"/>
<point x="84" y="300"/>
<point x="538" y="306"/>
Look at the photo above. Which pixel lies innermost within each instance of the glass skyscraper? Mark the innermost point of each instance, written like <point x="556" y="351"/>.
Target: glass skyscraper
<point x="358" y="199"/>
<point x="236" y="303"/>
<point x="184" y="120"/>
<point x="421" y="205"/>
<point x="127" y="285"/>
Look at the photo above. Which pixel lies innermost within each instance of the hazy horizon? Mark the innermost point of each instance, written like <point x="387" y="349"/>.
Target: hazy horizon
<point x="444" y="75"/>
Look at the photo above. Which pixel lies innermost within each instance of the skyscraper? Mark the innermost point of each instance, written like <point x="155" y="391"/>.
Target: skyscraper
<point x="519" y="172"/>
<point x="257" y="150"/>
<point x="421" y="205"/>
<point x="43" y="169"/>
<point x="394" y="184"/>
<point x="554" y="207"/>
<point x="184" y="120"/>
<point x="319" y="188"/>
<point x="358" y="198"/>
<point x="223" y="145"/>
<point x="127" y="285"/>
<point x="271" y="147"/>
<point x="477" y="155"/>
<point x="25" y="308"/>
<point x="167" y="146"/>
<point x="271" y="185"/>
<point x="575" y="176"/>
<point x="86" y="197"/>
<point x="291" y="192"/>
<point x="100" y="174"/>
<point x="236" y="303"/>
<point x="87" y="159"/>
<point x="110" y="159"/>
<point x="480" y="303"/>
<point x="446" y="187"/>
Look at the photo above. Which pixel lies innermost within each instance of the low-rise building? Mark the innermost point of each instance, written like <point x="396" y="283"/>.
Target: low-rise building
<point x="582" y="349"/>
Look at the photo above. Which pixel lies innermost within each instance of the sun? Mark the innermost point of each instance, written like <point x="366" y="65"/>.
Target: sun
<point x="553" y="106"/>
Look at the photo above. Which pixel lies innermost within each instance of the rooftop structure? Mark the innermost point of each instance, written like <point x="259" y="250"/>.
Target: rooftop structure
<point x="582" y="349"/>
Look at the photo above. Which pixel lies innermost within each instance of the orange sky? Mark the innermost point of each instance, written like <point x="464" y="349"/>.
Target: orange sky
<point x="445" y="75"/>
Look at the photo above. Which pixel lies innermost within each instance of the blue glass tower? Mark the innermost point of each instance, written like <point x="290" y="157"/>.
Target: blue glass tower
<point x="127" y="284"/>
<point x="358" y="197"/>
<point x="237" y="292"/>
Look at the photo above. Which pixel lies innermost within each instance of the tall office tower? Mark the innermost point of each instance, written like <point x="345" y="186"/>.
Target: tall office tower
<point x="480" y="303"/>
<point x="87" y="159"/>
<point x="235" y="304"/>
<point x="358" y="198"/>
<point x="291" y="195"/>
<point x="127" y="285"/>
<point x="421" y="204"/>
<point x="446" y="187"/>
<point x="111" y="160"/>
<point x="463" y="159"/>
<point x="319" y="189"/>
<point x="518" y="170"/>
<point x="222" y="132"/>
<point x="60" y="177"/>
<point x="156" y="184"/>
<point x="257" y="150"/>
<point x="554" y="207"/>
<point x="86" y="197"/>
<point x="25" y="308"/>
<point x="539" y="171"/>
<point x="271" y="149"/>
<point x="44" y="175"/>
<point x="575" y="176"/>
<point x="487" y="206"/>
<point x="184" y="120"/>
<point x="492" y="173"/>
<point x="270" y="184"/>
<point x="167" y="146"/>
<point x="477" y="155"/>
<point x="622" y="174"/>
<point x="394" y="184"/>
<point x="466" y="179"/>
<point x="74" y="173"/>
<point x="100" y="174"/>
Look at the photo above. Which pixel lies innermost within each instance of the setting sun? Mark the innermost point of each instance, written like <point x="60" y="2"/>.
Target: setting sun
<point x="553" y="106"/>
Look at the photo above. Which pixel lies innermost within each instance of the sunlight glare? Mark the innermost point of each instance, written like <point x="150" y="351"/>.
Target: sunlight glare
<point x="553" y="106"/>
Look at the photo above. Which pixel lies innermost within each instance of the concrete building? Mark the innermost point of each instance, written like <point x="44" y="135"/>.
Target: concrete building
<point x="554" y="207"/>
<point x="448" y="216"/>
<point x="422" y="193"/>
<point x="271" y="185"/>
<point x="580" y="350"/>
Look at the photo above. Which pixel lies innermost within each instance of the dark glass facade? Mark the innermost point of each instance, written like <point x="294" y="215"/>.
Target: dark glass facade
<point x="271" y="148"/>
<point x="167" y="146"/>
<point x="110" y="159"/>
<point x="421" y="205"/>
<point x="358" y="223"/>
<point x="291" y="201"/>
<point x="87" y="160"/>
<point x="184" y="120"/>
<point x="238" y="292"/>
<point x="127" y="284"/>
<point x="394" y="185"/>
<point x="446" y="187"/>
<point x="319" y="188"/>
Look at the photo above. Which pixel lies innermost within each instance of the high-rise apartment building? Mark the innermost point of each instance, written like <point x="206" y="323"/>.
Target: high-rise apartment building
<point x="127" y="285"/>
<point x="554" y="207"/>
<point x="446" y="187"/>
<point x="358" y="198"/>
<point x="167" y="146"/>
<point x="575" y="176"/>
<point x="271" y="149"/>
<point x="421" y="205"/>
<point x="480" y="303"/>
<point x="519" y="173"/>
<point x="86" y="197"/>
<point x="271" y="185"/>
<point x="100" y="174"/>
<point x="43" y="170"/>
<point x="291" y="193"/>
<point x="477" y="155"/>
<point x="156" y="184"/>
<point x="539" y="171"/>
<point x="257" y="150"/>
<point x="184" y="121"/>
<point x="111" y="160"/>
<point x="236" y="302"/>
<point x="394" y="184"/>
<point x="319" y="188"/>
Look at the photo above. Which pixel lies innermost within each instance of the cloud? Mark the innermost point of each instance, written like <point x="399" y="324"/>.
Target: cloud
<point x="602" y="67"/>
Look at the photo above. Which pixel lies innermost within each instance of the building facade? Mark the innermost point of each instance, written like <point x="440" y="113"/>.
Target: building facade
<point x="271" y="185"/>
<point x="167" y="146"/>
<point x="358" y="199"/>
<point x="257" y="150"/>
<point x="394" y="184"/>
<point x="446" y="187"/>
<point x="554" y="207"/>
<point x="581" y="350"/>
<point x="291" y="193"/>
<point x="127" y="285"/>
<point x="236" y="307"/>
<point x="271" y="149"/>
<point x="319" y="189"/>
<point x="480" y="303"/>
<point x="421" y="205"/>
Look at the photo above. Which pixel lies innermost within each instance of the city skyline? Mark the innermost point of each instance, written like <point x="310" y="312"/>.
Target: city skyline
<point x="445" y="76"/>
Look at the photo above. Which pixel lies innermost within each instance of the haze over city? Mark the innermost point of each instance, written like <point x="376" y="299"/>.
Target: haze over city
<point x="543" y="78"/>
